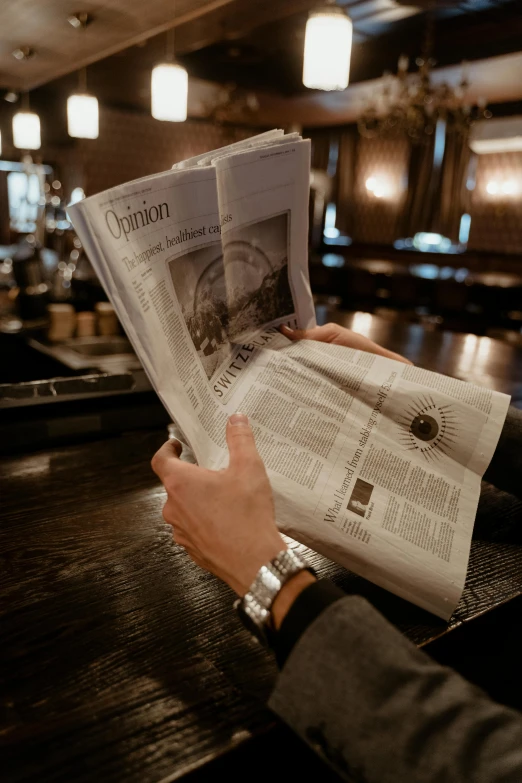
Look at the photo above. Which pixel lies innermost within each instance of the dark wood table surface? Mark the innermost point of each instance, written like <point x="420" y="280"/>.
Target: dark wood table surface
<point x="120" y="659"/>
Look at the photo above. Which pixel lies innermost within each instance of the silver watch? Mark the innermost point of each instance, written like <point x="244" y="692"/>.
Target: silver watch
<point x="254" y="607"/>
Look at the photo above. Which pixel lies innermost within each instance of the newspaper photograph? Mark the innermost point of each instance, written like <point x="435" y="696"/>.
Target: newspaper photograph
<point x="374" y="463"/>
<point x="256" y="270"/>
<point x="198" y="279"/>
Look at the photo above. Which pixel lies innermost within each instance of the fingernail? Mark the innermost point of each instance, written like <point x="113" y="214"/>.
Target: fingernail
<point x="285" y="328"/>
<point x="238" y="419"/>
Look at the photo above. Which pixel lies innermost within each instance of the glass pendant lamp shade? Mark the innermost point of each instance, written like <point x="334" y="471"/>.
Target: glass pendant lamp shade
<point x="83" y="116"/>
<point x="169" y="88"/>
<point x="328" y="46"/>
<point x="26" y="131"/>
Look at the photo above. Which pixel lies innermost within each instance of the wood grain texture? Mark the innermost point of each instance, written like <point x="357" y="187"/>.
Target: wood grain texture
<point x="60" y="49"/>
<point x="120" y="659"/>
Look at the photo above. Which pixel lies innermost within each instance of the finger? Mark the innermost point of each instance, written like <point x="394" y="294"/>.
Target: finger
<point x="339" y="335"/>
<point x="324" y="334"/>
<point x="362" y="343"/>
<point x="167" y="460"/>
<point x="240" y="440"/>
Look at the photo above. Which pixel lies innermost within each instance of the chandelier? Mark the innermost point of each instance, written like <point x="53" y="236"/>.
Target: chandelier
<point x="232" y="104"/>
<point x="411" y="104"/>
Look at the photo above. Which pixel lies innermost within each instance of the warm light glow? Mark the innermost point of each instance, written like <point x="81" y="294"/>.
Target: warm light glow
<point x="327" y="50"/>
<point x="169" y="87"/>
<point x="362" y="323"/>
<point x="77" y="195"/>
<point x="379" y="186"/>
<point x="82" y="116"/>
<point x="510" y="188"/>
<point x="26" y="131"/>
<point x="466" y="360"/>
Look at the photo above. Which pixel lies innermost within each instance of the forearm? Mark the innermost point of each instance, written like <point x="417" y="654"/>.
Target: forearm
<point x="373" y="705"/>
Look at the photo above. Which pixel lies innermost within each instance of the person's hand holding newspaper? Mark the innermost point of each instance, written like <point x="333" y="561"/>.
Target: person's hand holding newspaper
<point x="339" y="335"/>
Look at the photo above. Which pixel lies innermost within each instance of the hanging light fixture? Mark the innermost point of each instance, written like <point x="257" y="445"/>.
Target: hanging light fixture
<point x="169" y="87"/>
<point x="82" y="112"/>
<point x="327" y="50"/>
<point x="26" y="128"/>
<point x="82" y="108"/>
<point x="82" y="116"/>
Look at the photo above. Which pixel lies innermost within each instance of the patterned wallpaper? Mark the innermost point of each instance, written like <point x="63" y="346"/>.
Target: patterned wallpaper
<point x="132" y="145"/>
<point x="496" y="218"/>
<point x="135" y="145"/>
<point x="377" y="212"/>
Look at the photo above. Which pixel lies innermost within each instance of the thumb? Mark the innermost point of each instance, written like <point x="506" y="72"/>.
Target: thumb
<point x="240" y="440"/>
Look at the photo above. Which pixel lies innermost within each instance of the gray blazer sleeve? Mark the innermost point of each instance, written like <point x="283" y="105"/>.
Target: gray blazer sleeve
<point x="381" y="711"/>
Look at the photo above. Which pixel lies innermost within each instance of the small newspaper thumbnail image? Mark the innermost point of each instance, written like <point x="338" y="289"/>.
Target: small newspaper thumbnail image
<point x="256" y="272"/>
<point x="360" y="497"/>
<point x="199" y="282"/>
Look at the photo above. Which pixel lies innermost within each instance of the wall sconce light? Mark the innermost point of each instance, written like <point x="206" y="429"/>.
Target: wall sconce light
<point x="378" y="186"/>
<point x="507" y="187"/>
<point x="327" y="49"/>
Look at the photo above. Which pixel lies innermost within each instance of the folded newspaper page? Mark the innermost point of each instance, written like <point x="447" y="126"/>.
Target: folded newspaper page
<point x="374" y="463"/>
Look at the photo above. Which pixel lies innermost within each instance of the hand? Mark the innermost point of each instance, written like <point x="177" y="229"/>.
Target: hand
<point x="224" y="519"/>
<point x="339" y="335"/>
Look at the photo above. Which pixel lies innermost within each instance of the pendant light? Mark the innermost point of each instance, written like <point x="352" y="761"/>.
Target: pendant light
<point x="327" y="50"/>
<point x="169" y="87"/>
<point x="82" y="112"/>
<point x="26" y="127"/>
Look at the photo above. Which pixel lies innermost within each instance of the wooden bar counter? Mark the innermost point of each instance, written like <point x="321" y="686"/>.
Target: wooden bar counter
<point x="120" y="659"/>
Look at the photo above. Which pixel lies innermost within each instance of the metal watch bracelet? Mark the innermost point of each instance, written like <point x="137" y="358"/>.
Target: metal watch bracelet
<point x="254" y="607"/>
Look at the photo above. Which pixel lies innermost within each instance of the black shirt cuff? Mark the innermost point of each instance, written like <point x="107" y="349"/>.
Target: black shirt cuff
<point x="307" y="606"/>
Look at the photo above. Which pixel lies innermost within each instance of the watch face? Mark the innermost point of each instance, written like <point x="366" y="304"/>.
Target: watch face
<point x="257" y="631"/>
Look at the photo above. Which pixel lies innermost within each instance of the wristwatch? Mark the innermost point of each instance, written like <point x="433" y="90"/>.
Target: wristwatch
<point x="254" y="607"/>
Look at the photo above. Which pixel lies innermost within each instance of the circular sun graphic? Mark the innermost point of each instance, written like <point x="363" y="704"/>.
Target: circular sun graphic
<point x="424" y="427"/>
<point x="429" y="428"/>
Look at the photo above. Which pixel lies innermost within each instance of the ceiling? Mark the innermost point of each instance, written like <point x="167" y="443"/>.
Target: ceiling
<point x="255" y="44"/>
<point x="60" y="48"/>
<point x="257" y="41"/>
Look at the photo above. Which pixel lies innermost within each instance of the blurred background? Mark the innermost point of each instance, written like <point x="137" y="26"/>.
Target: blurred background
<point x="414" y="110"/>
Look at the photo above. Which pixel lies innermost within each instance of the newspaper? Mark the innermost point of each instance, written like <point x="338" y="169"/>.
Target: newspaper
<point x="374" y="463"/>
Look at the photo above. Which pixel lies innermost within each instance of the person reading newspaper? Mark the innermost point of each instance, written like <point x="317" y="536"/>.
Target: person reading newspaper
<point x="373" y="462"/>
<point x="362" y="696"/>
